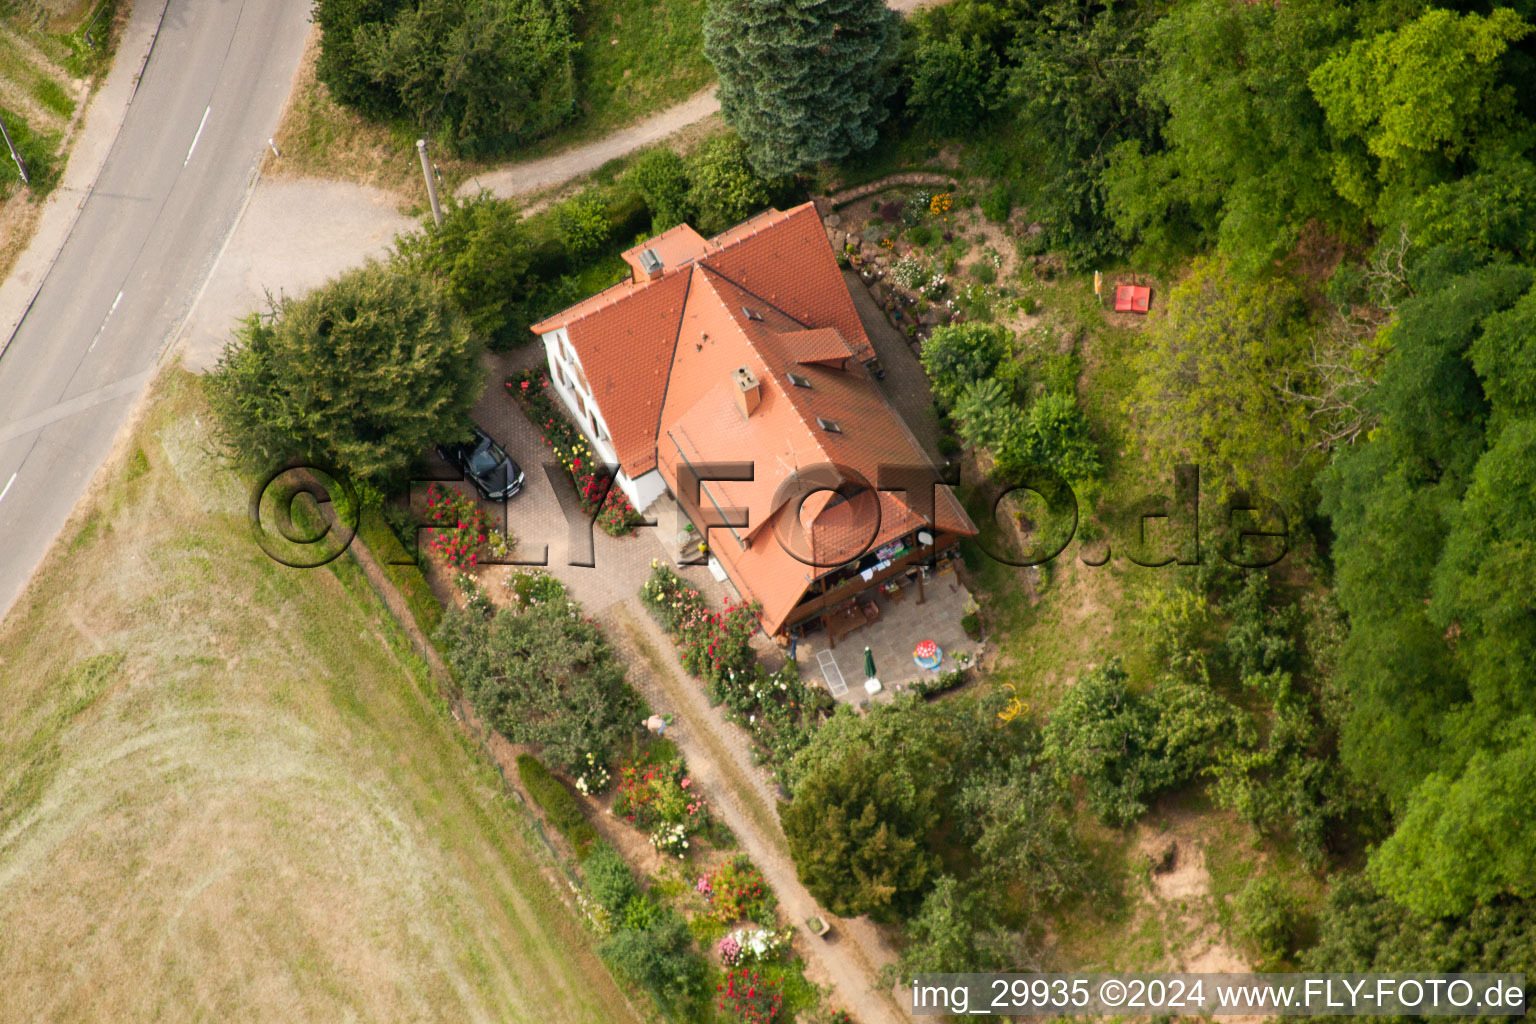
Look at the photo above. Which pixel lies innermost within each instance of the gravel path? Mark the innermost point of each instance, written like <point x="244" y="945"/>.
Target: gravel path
<point x="546" y="172"/>
<point x="720" y="756"/>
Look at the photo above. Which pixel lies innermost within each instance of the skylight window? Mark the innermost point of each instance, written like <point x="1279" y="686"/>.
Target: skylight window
<point x="752" y="314"/>
<point x="799" y="381"/>
<point x="830" y="426"/>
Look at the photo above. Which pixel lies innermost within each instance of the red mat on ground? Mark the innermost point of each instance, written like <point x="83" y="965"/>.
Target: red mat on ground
<point x="1131" y="298"/>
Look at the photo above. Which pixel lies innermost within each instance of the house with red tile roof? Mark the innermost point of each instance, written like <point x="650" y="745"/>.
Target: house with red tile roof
<point x="746" y="349"/>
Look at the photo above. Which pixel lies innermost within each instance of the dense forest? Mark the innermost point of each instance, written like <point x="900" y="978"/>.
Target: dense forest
<point x="1345" y="199"/>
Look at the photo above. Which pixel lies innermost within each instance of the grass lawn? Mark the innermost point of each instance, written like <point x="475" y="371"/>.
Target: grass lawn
<point x="229" y="791"/>
<point x="635" y="58"/>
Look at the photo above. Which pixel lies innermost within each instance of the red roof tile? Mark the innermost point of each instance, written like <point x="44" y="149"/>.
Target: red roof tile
<point x="766" y="296"/>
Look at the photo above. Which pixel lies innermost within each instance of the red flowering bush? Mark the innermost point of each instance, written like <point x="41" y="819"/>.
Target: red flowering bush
<point x="595" y="489"/>
<point x="458" y="528"/>
<point x="715" y="646"/>
<point x="658" y="797"/>
<point x="737" y="892"/>
<point x="751" y="997"/>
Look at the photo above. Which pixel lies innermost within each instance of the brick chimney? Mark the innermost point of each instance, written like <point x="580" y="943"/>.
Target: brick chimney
<point x="748" y="392"/>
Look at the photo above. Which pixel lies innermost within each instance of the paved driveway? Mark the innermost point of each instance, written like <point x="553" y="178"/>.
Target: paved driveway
<point x="618" y="565"/>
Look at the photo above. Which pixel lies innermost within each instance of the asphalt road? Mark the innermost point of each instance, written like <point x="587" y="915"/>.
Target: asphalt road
<point x="166" y="199"/>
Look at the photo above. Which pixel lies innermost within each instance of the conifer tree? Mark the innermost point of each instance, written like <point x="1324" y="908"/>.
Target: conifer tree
<point x="802" y="81"/>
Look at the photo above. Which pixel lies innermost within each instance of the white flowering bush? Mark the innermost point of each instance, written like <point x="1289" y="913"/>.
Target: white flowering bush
<point x="759" y="944"/>
<point x="908" y="271"/>
<point x="594" y="777"/>
<point x="671" y="838"/>
<point x="935" y="287"/>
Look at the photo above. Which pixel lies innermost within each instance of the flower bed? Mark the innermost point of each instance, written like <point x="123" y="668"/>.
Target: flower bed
<point x="752" y="946"/>
<point x="616" y="516"/>
<point x="779" y="710"/>
<point x="657" y="797"/>
<point x="735" y="891"/>
<point x="751" y="997"/>
<point x="458" y="527"/>
<point x="716" y="646"/>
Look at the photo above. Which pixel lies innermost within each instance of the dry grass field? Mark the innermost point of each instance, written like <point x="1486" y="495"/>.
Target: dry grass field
<point x="229" y="792"/>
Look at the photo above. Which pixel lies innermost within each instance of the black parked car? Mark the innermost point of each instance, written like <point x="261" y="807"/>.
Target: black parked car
<point x="486" y="464"/>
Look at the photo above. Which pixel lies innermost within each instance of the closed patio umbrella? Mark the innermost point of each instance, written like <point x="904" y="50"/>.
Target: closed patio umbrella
<point x="871" y="684"/>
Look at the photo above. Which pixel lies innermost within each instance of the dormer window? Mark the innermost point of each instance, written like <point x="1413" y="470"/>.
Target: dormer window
<point x="798" y="381"/>
<point x="751" y="314"/>
<point x="830" y="426"/>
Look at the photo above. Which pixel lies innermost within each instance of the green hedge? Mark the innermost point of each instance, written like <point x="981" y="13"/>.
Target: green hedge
<point x="408" y="579"/>
<point x="559" y="805"/>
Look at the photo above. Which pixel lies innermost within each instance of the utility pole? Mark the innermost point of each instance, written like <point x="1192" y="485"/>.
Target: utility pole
<point x="426" y="170"/>
<point x="21" y="168"/>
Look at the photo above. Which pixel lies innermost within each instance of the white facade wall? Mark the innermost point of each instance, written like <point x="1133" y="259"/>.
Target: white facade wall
<point x="569" y="381"/>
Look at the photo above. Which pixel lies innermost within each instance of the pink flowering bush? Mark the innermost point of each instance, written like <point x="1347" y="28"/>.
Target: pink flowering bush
<point x="458" y="530"/>
<point x="729" y="951"/>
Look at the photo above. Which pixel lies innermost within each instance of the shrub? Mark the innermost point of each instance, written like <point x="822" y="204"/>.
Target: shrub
<point x="723" y="187"/>
<point x="890" y="212"/>
<point x="583" y="225"/>
<point x="1266" y="912"/>
<point x="951" y="89"/>
<point x="608" y="878"/>
<point x="543" y="674"/>
<point x="868" y="792"/>
<point x="779" y="710"/>
<point x="1028" y="305"/>
<point x="920" y="235"/>
<point x="661" y="959"/>
<point x="956" y="356"/>
<point x="458" y="528"/>
<point x="907" y="271"/>
<point x="984" y="272"/>
<point x="1128" y="747"/>
<point x="735" y="891"/>
<point x="483" y="255"/>
<point x="751" y="997"/>
<point x="662" y="178"/>
<point x="971" y="623"/>
<point x="1107" y="735"/>
<point x="615" y="515"/>
<point x="488" y="74"/>
<point x="997" y="203"/>
<point x="986" y="414"/>
<point x="716" y="646"/>
<point x="657" y="796"/>
<point x="944" y="681"/>
<point x="559" y="805"/>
